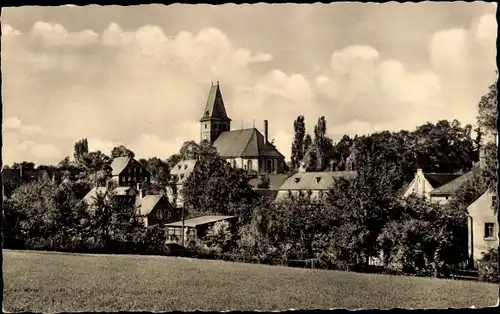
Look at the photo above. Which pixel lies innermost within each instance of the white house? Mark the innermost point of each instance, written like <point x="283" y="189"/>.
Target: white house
<point x="425" y="183"/>
<point x="482" y="226"/>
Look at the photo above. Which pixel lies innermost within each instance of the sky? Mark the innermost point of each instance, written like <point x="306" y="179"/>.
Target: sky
<point x="140" y="75"/>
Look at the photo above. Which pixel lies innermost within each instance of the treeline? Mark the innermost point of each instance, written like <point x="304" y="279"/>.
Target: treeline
<point x="360" y="219"/>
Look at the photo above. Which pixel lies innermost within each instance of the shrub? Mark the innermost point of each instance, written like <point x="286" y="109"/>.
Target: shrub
<point x="488" y="267"/>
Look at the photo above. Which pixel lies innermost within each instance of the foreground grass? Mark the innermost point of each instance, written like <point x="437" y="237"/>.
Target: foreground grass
<point x="54" y="282"/>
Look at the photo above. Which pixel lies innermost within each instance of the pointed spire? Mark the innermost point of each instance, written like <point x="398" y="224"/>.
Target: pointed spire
<point x="215" y="108"/>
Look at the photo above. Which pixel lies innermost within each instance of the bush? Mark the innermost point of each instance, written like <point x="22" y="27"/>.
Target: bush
<point x="488" y="267"/>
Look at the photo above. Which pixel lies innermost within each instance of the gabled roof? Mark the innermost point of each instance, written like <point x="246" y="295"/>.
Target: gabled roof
<point x="275" y="181"/>
<point x="215" y="108"/>
<point x="120" y="190"/>
<point x="450" y="187"/>
<point x="198" y="221"/>
<point x="438" y="179"/>
<point x="315" y="180"/>
<point x="148" y="203"/>
<point x="183" y="169"/>
<point x="118" y="164"/>
<point x="244" y="143"/>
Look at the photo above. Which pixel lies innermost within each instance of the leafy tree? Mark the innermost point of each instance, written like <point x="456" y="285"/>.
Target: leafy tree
<point x="121" y="151"/>
<point x="298" y="148"/>
<point x="26" y="165"/>
<point x="488" y="110"/>
<point x="81" y="149"/>
<point x="360" y="208"/>
<point x="488" y="267"/>
<point x="322" y="144"/>
<point x="218" y="236"/>
<point x="159" y="171"/>
<point x="264" y="181"/>
<point x="214" y="185"/>
<point x="188" y="150"/>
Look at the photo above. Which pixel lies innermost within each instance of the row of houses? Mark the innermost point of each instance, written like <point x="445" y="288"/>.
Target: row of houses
<point x="251" y="150"/>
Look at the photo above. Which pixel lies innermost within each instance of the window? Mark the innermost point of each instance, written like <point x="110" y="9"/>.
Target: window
<point x="182" y="176"/>
<point x="297" y="180"/>
<point x="489" y="230"/>
<point x="318" y="179"/>
<point x="185" y="166"/>
<point x="159" y="214"/>
<point x="205" y="126"/>
<point x="179" y="167"/>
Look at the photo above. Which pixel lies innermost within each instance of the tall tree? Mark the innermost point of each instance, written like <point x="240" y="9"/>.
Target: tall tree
<point x="298" y="151"/>
<point x="188" y="150"/>
<point x="121" y="151"/>
<point x="81" y="149"/>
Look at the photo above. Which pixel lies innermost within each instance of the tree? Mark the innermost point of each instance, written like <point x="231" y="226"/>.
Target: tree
<point x="359" y="210"/>
<point x="160" y="172"/>
<point x="121" y="151"/>
<point x="26" y="165"/>
<point x="320" y="143"/>
<point x="214" y="185"/>
<point x="219" y="236"/>
<point x="189" y="150"/>
<point x="488" y="110"/>
<point x="81" y="149"/>
<point x="298" y="142"/>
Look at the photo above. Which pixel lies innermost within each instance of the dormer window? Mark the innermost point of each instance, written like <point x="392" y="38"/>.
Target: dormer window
<point x="297" y="180"/>
<point x="179" y="167"/>
<point x="318" y="179"/>
<point x="185" y="166"/>
<point x="182" y="176"/>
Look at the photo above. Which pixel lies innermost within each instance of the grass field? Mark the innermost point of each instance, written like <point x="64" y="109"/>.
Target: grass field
<point x="54" y="282"/>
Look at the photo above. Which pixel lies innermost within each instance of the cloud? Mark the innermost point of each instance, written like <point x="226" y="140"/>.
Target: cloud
<point x="146" y="88"/>
<point x="12" y="123"/>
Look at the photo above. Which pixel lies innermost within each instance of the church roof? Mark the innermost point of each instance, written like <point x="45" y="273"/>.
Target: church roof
<point x="244" y="143"/>
<point x="215" y="108"/>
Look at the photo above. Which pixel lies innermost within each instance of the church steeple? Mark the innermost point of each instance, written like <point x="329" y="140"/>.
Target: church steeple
<point x="214" y="120"/>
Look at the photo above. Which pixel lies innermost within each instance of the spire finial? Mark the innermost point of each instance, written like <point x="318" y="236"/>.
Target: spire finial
<point x="217" y="83"/>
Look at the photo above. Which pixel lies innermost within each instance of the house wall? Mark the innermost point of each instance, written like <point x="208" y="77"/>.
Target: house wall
<point x="132" y="175"/>
<point x="314" y="194"/>
<point x="481" y="212"/>
<point x="258" y="164"/>
<point x="419" y="186"/>
<point x="440" y="199"/>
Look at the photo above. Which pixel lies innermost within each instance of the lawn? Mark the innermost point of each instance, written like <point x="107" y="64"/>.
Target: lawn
<point x="56" y="282"/>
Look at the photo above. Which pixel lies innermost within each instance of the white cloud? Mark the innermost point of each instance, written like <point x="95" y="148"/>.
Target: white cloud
<point x="146" y="89"/>
<point x="52" y="34"/>
<point x="12" y="123"/>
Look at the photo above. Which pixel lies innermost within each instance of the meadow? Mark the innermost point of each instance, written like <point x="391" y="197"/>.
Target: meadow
<point x="56" y="282"/>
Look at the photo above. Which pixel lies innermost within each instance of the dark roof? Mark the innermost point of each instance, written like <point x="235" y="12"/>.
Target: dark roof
<point x="10" y="175"/>
<point x="438" y="179"/>
<point x="215" y="108"/>
<point x="275" y="181"/>
<point x="450" y="187"/>
<point x="148" y="203"/>
<point x="198" y="221"/>
<point x="245" y="143"/>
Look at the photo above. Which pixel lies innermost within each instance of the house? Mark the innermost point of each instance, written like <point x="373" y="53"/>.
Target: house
<point x="126" y="171"/>
<point x="154" y="208"/>
<point x="196" y="228"/>
<point x="443" y="193"/>
<point x="482" y="226"/>
<point x="13" y="178"/>
<point x="424" y="183"/>
<point x="246" y="149"/>
<point x="313" y="184"/>
<point x="275" y="182"/>
<point x="178" y="175"/>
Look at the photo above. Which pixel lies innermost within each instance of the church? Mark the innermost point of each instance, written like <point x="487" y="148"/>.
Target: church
<point x="246" y="149"/>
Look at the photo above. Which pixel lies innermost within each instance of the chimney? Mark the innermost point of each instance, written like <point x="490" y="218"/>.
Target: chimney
<point x="266" y="138"/>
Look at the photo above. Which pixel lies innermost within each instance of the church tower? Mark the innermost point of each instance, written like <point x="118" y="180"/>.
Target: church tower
<point x="214" y="120"/>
